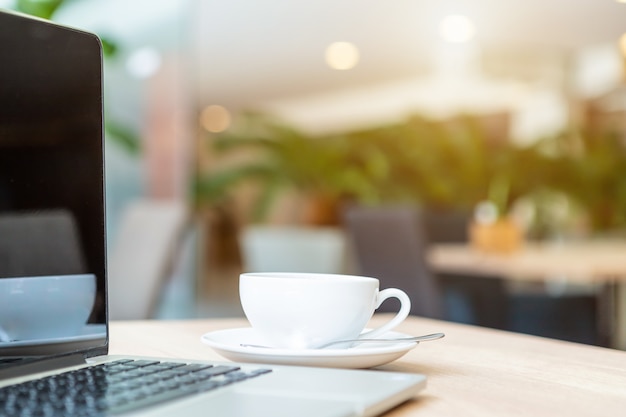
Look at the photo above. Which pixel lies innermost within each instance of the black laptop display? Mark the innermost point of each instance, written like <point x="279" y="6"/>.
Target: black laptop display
<point x="52" y="233"/>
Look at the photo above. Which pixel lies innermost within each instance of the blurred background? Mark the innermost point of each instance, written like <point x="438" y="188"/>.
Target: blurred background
<point x="254" y="134"/>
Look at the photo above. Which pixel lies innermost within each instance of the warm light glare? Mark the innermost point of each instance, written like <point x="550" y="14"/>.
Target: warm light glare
<point x="622" y="43"/>
<point x="342" y="55"/>
<point x="215" y="118"/>
<point x="144" y="62"/>
<point x="457" y="28"/>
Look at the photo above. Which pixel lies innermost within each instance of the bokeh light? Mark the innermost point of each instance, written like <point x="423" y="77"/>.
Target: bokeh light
<point x="215" y="118"/>
<point x="342" y="55"/>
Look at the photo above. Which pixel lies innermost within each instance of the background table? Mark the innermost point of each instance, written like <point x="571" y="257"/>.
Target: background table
<point x="473" y="371"/>
<point x="586" y="261"/>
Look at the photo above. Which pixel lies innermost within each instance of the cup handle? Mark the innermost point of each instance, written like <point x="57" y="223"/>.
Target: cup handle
<point x="405" y="308"/>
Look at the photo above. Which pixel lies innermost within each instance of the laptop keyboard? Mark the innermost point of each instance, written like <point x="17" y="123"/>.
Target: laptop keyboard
<point x="116" y="387"/>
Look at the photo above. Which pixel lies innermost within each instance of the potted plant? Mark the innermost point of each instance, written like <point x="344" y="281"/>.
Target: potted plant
<point x="492" y="229"/>
<point x="276" y="159"/>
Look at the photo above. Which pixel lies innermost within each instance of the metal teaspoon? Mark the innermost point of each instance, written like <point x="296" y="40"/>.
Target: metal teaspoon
<point x="423" y="338"/>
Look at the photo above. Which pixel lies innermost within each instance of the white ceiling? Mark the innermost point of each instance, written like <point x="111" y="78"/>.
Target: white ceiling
<point x="252" y="50"/>
<point x="248" y="51"/>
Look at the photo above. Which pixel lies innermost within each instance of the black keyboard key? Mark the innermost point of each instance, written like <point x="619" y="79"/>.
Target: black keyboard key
<point x="219" y="370"/>
<point x="142" y="363"/>
<point x="193" y="367"/>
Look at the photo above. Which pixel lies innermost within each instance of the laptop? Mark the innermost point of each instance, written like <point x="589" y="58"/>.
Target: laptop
<point x="53" y="280"/>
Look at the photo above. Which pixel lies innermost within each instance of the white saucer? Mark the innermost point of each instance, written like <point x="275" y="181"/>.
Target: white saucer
<point x="228" y="344"/>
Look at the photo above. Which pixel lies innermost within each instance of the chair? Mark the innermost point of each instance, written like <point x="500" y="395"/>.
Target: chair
<point x="478" y="300"/>
<point x="142" y="256"/>
<point x="40" y="243"/>
<point x="388" y="243"/>
<point x="292" y="249"/>
<point x="567" y="317"/>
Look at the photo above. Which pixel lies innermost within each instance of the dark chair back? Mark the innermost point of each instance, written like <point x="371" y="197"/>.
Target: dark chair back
<point x="40" y="243"/>
<point x="388" y="243"/>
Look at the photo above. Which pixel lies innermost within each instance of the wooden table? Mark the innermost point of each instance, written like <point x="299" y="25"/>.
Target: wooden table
<point x="473" y="371"/>
<point x="587" y="262"/>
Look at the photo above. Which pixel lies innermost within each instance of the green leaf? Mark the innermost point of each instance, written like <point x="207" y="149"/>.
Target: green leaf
<point x="109" y="47"/>
<point x="124" y="137"/>
<point x="44" y="9"/>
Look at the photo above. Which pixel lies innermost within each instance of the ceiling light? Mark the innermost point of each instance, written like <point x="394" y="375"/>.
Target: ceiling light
<point x="144" y="62"/>
<point x="457" y="28"/>
<point x="215" y="118"/>
<point x="342" y="55"/>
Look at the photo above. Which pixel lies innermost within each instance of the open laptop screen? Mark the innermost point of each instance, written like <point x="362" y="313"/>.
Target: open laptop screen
<point x="52" y="244"/>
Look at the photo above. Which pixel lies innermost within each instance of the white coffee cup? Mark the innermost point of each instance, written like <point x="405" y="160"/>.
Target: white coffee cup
<point x="307" y="310"/>
<point x="45" y="307"/>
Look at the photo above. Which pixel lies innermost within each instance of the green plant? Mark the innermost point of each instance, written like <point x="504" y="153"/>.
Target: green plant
<point x="279" y="158"/>
<point x="40" y="8"/>
<point x="442" y="165"/>
<point x="581" y="169"/>
<point x="592" y="174"/>
<point x="449" y="165"/>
